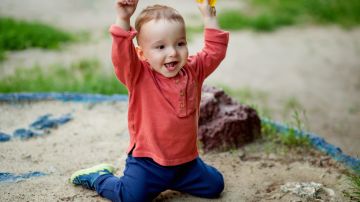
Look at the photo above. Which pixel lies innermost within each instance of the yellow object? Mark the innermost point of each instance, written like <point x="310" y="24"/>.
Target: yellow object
<point x="211" y="2"/>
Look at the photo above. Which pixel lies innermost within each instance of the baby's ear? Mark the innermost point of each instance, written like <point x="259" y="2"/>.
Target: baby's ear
<point x="140" y="53"/>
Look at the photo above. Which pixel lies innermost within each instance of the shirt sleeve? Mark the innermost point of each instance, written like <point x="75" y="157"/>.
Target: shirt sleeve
<point x="214" y="51"/>
<point x="126" y="63"/>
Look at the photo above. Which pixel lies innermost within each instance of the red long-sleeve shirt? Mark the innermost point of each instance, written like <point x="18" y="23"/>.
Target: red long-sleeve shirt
<point x="163" y="112"/>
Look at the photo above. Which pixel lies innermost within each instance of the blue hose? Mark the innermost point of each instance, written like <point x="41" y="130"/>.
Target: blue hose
<point x="66" y="97"/>
<point x="319" y="143"/>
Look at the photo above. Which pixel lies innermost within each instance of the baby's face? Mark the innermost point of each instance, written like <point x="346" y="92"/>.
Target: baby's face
<point x="163" y="45"/>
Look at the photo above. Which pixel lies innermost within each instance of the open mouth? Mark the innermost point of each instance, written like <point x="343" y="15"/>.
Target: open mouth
<point x="171" y="66"/>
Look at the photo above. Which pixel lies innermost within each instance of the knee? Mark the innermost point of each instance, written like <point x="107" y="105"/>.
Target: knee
<point x="217" y="186"/>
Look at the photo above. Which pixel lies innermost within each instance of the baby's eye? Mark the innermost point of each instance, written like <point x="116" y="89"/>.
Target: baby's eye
<point x="160" y="47"/>
<point x="183" y="43"/>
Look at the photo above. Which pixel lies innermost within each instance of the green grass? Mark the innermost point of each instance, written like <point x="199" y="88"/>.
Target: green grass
<point x="353" y="193"/>
<point x="289" y="138"/>
<point x="2" y="54"/>
<point x="20" y="35"/>
<point x="234" y="20"/>
<point x="268" y="15"/>
<point x="84" y="76"/>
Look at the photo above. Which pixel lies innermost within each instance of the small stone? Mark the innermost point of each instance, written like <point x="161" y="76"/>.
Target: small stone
<point x="302" y="189"/>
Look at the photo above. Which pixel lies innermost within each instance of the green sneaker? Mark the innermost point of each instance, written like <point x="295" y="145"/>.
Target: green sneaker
<point x="87" y="177"/>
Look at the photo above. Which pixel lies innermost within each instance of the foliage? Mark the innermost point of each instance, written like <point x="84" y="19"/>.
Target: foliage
<point x="2" y="54"/>
<point x="291" y="137"/>
<point x="268" y="15"/>
<point x="20" y="35"/>
<point x="84" y="76"/>
<point x="354" y="191"/>
<point x="234" y="20"/>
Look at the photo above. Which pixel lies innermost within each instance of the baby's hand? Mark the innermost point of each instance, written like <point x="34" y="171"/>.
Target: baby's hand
<point x="207" y="8"/>
<point x="208" y="12"/>
<point x="125" y="8"/>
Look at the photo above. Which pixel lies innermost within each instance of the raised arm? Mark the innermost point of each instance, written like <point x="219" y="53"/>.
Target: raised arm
<point x="208" y="14"/>
<point x="215" y="42"/>
<point x="127" y="65"/>
<point x="125" y="9"/>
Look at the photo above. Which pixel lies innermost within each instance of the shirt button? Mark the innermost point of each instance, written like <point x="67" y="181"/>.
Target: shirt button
<point x="181" y="105"/>
<point x="176" y="81"/>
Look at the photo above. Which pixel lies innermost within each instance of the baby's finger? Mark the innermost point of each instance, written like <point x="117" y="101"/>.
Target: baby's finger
<point x="121" y="2"/>
<point x="131" y="2"/>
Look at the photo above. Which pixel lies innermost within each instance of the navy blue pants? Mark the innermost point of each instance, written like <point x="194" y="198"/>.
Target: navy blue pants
<point x="144" y="180"/>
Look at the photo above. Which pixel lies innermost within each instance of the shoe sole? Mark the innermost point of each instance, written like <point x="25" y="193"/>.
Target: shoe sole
<point x="94" y="169"/>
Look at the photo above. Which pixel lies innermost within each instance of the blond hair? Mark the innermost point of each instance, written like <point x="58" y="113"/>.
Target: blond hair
<point x="157" y="12"/>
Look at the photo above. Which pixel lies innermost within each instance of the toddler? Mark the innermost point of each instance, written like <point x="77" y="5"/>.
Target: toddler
<point x="164" y="85"/>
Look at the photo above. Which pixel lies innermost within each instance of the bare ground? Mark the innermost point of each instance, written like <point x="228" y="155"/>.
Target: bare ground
<point x="98" y="134"/>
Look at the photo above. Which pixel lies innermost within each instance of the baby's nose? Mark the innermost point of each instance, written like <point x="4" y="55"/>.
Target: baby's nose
<point x="172" y="51"/>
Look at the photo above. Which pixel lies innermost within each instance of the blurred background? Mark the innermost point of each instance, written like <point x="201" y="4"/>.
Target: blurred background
<point x="297" y="62"/>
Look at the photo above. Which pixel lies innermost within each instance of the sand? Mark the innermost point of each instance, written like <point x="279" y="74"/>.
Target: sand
<point x="98" y="134"/>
